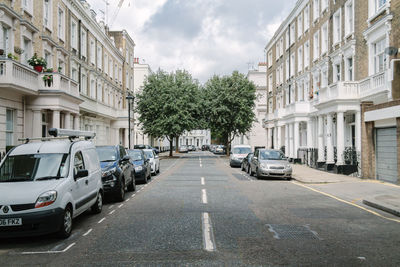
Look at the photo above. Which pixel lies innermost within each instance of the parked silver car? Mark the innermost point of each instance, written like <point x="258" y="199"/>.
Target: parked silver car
<point x="270" y="163"/>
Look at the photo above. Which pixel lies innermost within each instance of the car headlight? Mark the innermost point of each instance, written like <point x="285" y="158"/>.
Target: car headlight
<point x="264" y="166"/>
<point x="109" y="172"/>
<point x="46" y="199"/>
<point x="138" y="168"/>
<point x="288" y="166"/>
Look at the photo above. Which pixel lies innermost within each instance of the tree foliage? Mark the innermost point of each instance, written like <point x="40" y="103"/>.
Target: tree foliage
<point x="231" y="102"/>
<point x="168" y="104"/>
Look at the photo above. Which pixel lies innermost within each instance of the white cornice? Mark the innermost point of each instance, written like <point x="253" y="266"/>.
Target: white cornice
<point x="300" y="4"/>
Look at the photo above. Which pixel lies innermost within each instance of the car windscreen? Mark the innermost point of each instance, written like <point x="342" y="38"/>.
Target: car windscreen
<point x="149" y="154"/>
<point x="107" y="153"/>
<point x="271" y="155"/>
<point x="21" y="168"/>
<point x="241" y="150"/>
<point x="135" y="155"/>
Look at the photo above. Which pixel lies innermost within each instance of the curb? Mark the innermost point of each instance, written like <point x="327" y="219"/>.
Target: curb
<point x="384" y="207"/>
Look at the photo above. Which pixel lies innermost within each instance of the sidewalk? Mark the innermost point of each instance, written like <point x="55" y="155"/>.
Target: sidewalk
<point x="377" y="194"/>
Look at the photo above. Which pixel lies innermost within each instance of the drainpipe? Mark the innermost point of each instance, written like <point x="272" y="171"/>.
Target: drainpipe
<point x="289" y="67"/>
<point x="80" y="53"/>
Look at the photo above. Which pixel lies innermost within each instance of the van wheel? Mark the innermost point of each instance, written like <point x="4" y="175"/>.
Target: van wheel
<point x="66" y="226"/>
<point x="98" y="205"/>
<point x="121" y="193"/>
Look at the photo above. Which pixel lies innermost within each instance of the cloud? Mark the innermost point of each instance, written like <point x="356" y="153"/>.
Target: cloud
<point x="205" y="37"/>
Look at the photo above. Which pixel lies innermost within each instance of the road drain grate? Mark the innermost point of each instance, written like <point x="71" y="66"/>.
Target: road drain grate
<point x="240" y="177"/>
<point x="294" y="232"/>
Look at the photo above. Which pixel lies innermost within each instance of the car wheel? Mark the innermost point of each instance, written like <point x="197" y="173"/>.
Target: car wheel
<point x="121" y="193"/>
<point x="289" y="178"/>
<point x="98" y="205"/>
<point x="132" y="185"/>
<point x="258" y="175"/>
<point x="248" y="169"/>
<point x="230" y="163"/>
<point x="66" y="226"/>
<point x="145" y="178"/>
<point x="158" y="170"/>
<point x="241" y="167"/>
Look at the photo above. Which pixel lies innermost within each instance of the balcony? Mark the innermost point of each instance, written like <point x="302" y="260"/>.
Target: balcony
<point x="60" y="83"/>
<point x="374" y="85"/>
<point x="269" y="117"/>
<point x="339" y="91"/>
<point x="298" y="108"/>
<point x="18" y="76"/>
<point x="279" y="113"/>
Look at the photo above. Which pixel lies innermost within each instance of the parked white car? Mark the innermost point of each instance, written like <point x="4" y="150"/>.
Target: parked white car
<point x="238" y="153"/>
<point x="44" y="185"/>
<point x="154" y="160"/>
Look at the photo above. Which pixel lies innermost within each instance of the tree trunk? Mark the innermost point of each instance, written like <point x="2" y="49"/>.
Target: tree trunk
<point x="171" y="143"/>
<point x="176" y="144"/>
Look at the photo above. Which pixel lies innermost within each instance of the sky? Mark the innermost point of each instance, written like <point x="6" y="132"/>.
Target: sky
<point x="204" y="37"/>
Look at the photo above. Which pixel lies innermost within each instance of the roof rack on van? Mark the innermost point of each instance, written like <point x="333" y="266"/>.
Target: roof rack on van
<point x="57" y="133"/>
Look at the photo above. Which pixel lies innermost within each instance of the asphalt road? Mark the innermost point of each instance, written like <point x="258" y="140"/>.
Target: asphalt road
<point x="200" y="212"/>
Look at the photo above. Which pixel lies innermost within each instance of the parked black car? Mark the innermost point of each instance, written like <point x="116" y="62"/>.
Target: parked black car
<point x="118" y="173"/>
<point x="245" y="166"/>
<point x="141" y="165"/>
<point x="205" y="147"/>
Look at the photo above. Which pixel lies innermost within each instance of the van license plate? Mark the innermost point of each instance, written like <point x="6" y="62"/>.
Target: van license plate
<point x="11" y="222"/>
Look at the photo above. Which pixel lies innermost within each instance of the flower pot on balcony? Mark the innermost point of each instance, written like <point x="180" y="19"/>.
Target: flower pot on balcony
<point x="38" y="68"/>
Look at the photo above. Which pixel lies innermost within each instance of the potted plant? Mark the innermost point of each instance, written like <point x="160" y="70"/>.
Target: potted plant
<point x="38" y="63"/>
<point x="11" y="56"/>
<point x="48" y="79"/>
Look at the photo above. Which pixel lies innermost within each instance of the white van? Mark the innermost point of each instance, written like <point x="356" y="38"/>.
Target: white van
<point x="238" y="153"/>
<point x="45" y="184"/>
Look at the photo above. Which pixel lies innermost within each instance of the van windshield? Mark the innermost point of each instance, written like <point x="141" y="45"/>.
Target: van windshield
<point x="241" y="150"/>
<point x="35" y="167"/>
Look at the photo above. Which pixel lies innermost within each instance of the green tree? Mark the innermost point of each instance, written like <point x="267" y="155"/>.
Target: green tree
<point x="231" y="101"/>
<point x="168" y="105"/>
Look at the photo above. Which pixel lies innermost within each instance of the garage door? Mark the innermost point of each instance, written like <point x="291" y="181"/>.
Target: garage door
<point x="386" y="155"/>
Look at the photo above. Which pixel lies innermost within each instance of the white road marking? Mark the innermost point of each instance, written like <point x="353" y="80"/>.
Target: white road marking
<point x="111" y="207"/>
<point x="208" y="236"/>
<point x="127" y="200"/>
<point x="204" y="196"/>
<point x="111" y="212"/>
<point x="120" y="206"/>
<point x="88" y="232"/>
<point x="202" y="181"/>
<point x="49" y="252"/>
<point x="101" y="220"/>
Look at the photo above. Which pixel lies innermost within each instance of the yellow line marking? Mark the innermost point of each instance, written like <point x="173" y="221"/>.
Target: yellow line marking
<point x="349" y="203"/>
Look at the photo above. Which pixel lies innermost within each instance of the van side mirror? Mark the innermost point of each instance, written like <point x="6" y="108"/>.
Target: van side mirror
<point x="81" y="174"/>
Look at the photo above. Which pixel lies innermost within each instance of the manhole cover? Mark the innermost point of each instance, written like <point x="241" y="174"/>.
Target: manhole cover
<point x="284" y="231"/>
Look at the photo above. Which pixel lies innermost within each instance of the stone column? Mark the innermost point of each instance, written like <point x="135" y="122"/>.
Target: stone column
<point x="291" y="141"/>
<point x="287" y="140"/>
<point x="309" y="133"/>
<point x="67" y="120"/>
<point x="296" y="139"/>
<point x="76" y="122"/>
<point x="37" y="123"/>
<point x="279" y="138"/>
<point x="56" y="119"/>
<point x="329" y="144"/>
<point x="321" y="154"/>
<point x="340" y="137"/>
<point x="358" y="131"/>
